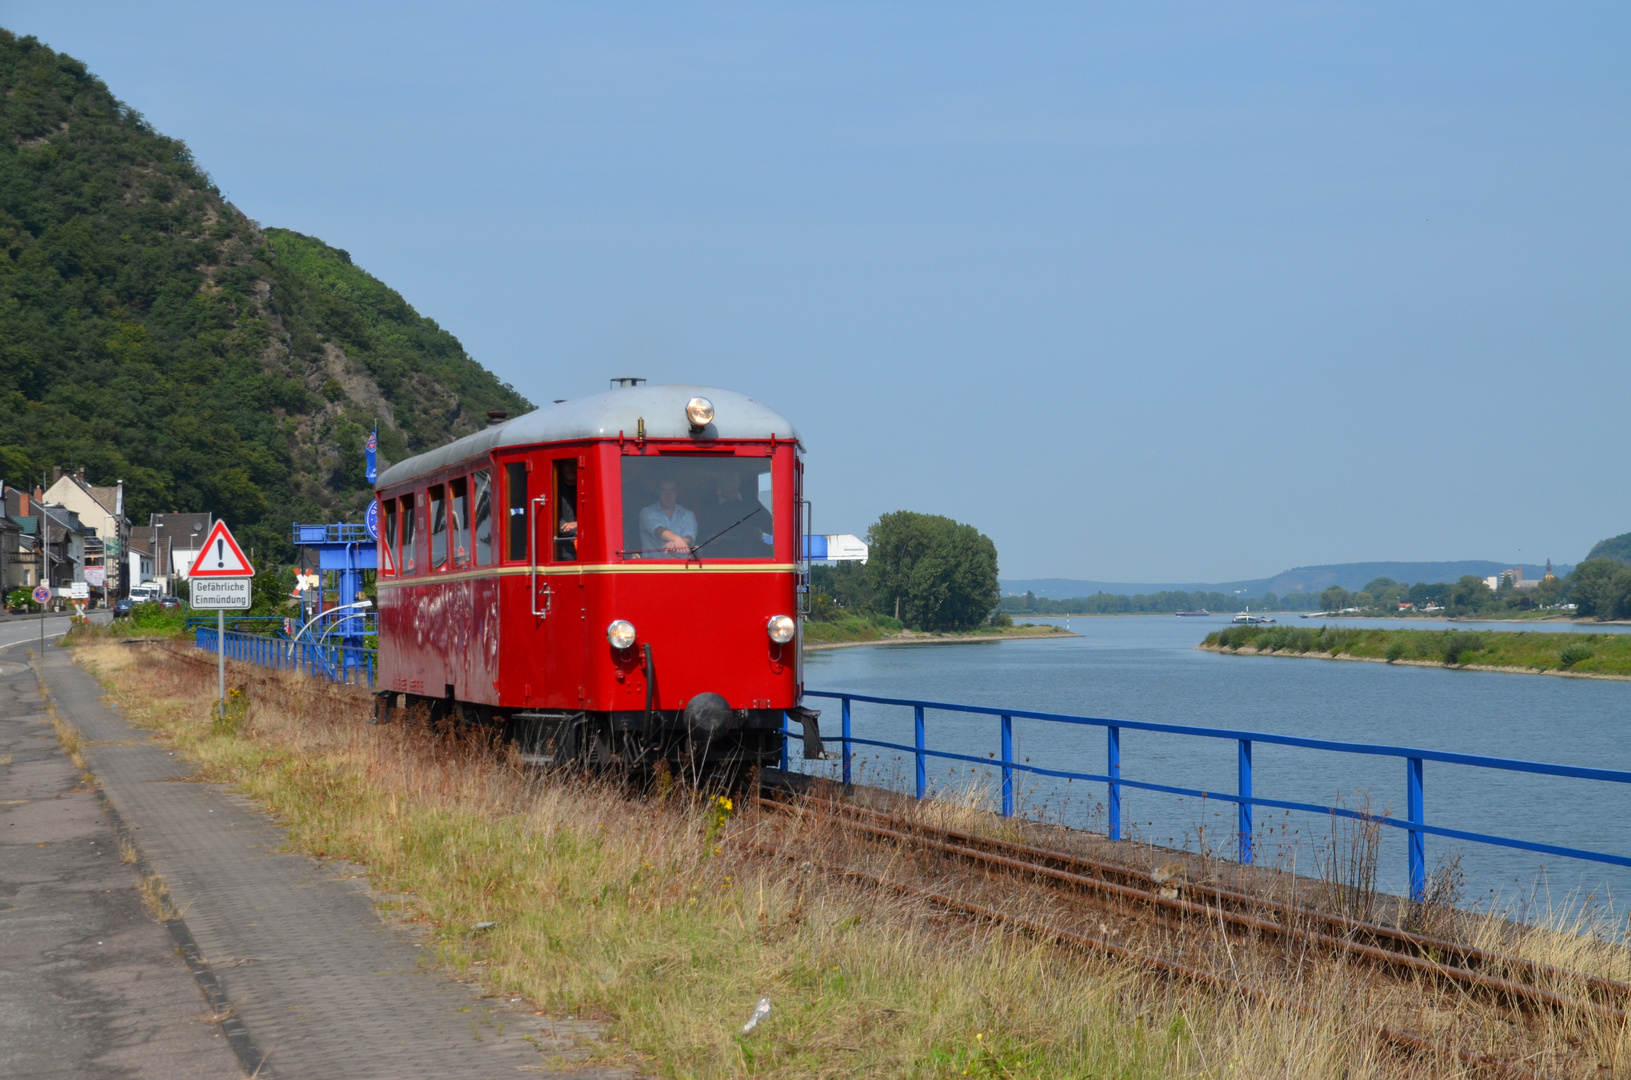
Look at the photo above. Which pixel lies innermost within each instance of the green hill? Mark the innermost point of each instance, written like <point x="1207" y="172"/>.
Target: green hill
<point x="1617" y="548"/>
<point x="151" y="332"/>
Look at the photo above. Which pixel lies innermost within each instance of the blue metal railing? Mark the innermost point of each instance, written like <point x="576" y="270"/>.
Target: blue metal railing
<point x="338" y="533"/>
<point x="332" y="661"/>
<point x="1414" y="822"/>
<point x="265" y="624"/>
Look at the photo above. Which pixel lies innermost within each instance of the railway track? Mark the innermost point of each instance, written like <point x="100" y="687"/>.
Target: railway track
<point x="1459" y="970"/>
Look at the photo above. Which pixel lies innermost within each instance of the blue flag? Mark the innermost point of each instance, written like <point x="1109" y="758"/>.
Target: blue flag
<point x="369" y="448"/>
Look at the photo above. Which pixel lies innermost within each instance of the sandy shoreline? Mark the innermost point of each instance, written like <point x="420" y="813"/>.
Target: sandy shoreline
<point x="1504" y="668"/>
<point x="928" y="639"/>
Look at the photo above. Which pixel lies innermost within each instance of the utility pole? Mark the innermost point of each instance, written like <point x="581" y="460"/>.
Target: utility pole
<point x="45" y="567"/>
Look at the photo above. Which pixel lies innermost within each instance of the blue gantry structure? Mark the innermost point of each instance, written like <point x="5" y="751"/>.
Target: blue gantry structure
<point x="330" y="641"/>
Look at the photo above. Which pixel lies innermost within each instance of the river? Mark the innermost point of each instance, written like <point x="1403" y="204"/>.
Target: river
<point x="1147" y="668"/>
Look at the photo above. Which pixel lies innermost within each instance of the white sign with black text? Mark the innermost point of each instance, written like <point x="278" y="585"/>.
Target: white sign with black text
<point x="225" y="594"/>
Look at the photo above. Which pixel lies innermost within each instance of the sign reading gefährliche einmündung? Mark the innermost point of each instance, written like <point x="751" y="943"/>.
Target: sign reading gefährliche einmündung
<point x="225" y="594"/>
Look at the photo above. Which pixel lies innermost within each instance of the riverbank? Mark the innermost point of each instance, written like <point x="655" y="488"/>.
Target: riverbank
<point x="818" y="637"/>
<point x="1576" y="655"/>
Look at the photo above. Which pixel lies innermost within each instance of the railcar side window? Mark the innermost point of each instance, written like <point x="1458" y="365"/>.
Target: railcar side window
<point x="410" y="550"/>
<point x="438" y="528"/>
<point x="483" y="481"/>
<point x="566" y="511"/>
<point x="677" y="507"/>
<point x="459" y="518"/>
<point x="515" y="495"/>
<point x="390" y="537"/>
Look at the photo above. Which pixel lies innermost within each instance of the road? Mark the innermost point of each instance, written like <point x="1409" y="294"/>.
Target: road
<point x="90" y="984"/>
<point x="304" y="977"/>
<point x="19" y="631"/>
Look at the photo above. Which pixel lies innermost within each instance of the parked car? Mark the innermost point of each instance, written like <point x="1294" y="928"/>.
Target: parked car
<point x="170" y="603"/>
<point x="124" y="607"/>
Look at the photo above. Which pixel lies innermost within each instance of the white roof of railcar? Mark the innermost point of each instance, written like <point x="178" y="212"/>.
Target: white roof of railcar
<point x="603" y="415"/>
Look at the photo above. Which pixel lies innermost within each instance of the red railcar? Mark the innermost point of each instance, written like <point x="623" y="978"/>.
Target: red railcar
<point x="614" y="578"/>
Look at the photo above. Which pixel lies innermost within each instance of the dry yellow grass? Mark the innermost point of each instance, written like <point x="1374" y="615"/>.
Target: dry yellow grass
<point x="660" y="915"/>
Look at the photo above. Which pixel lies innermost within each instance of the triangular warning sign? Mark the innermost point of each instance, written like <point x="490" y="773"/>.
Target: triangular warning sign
<point x="387" y="561"/>
<point x="221" y="556"/>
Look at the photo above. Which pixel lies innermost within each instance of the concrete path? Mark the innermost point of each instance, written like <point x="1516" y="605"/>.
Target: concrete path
<point x="90" y="984"/>
<point x="318" y="985"/>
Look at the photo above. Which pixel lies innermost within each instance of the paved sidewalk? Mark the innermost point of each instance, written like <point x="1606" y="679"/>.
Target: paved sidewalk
<point x="90" y="984"/>
<point x="322" y="986"/>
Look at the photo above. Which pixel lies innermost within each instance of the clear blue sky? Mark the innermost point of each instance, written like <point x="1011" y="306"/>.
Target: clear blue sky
<point x="1170" y="292"/>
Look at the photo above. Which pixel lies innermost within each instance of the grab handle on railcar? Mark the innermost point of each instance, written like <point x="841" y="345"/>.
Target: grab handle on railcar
<point x="536" y="508"/>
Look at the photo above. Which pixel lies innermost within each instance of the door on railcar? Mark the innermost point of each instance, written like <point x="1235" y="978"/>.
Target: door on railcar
<point x="558" y="528"/>
<point x="544" y="663"/>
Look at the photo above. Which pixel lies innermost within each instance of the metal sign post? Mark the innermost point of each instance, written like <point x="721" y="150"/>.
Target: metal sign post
<point x="42" y="597"/>
<point x="219" y="579"/>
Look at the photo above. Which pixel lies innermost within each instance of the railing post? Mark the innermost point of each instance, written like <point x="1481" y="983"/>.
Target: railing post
<point x="846" y="742"/>
<point x="1415" y="814"/>
<point x="1245" y="791"/>
<point x="922" y="772"/>
<point x="1007" y="765"/>
<point x="1113" y="770"/>
<point x="782" y="761"/>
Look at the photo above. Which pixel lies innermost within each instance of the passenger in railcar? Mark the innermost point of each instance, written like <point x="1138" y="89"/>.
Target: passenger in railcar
<point x="667" y="529"/>
<point x="734" y="527"/>
<point x="566" y="511"/>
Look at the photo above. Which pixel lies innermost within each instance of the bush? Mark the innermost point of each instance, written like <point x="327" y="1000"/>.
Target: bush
<point x="1234" y="637"/>
<point x="1397" y="648"/>
<point x="1575" y="654"/>
<point x="154" y="619"/>
<point x="1457" y="642"/>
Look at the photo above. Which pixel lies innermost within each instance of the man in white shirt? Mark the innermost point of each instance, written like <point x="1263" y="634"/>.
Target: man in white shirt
<point x="667" y="529"/>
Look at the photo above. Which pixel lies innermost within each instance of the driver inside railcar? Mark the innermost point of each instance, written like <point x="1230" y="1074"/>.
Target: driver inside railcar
<point x="667" y="529"/>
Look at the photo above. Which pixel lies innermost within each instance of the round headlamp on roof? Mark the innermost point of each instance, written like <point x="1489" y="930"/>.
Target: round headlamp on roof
<point x="700" y="412"/>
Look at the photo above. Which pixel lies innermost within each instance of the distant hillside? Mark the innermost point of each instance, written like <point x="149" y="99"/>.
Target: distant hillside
<point x="1617" y="548"/>
<point x="1306" y="579"/>
<point x="150" y="332"/>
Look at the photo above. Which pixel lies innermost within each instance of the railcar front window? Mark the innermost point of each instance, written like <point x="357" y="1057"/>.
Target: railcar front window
<point x="515" y="496"/>
<point x="678" y="507"/>
<point x="484" y="517"/>
<point x="410" y="550"/>
<point x="566" y="511"/>
<point x="459" y="519"/>
<point x="438" y="528"/>
<point x="391" y="548"/>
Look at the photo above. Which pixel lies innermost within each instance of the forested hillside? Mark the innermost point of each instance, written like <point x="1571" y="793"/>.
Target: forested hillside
<point x="151" y="332"/>
<point x="1617" y="548"/>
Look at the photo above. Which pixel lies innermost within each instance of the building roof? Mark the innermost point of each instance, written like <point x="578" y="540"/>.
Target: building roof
<point x="604" y="416"/>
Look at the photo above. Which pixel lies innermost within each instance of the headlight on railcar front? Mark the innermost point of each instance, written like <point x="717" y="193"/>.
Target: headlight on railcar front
<point x="620" y="633"/>
<point x="781" y="629"/>
<point x="700" y="411"/>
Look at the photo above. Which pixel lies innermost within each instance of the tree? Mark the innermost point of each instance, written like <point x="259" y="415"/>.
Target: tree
<point x="1470" y="593"/>
<point x="844" y="587"/>
<point x="931" y="572"/>
<point x="1380" y="585"/>
<point x="1602" y="588"/>
<point x="1334" y="599"/>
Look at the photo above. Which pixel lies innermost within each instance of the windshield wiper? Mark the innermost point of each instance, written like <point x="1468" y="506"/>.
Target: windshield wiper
<point x="725" y="530"/>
